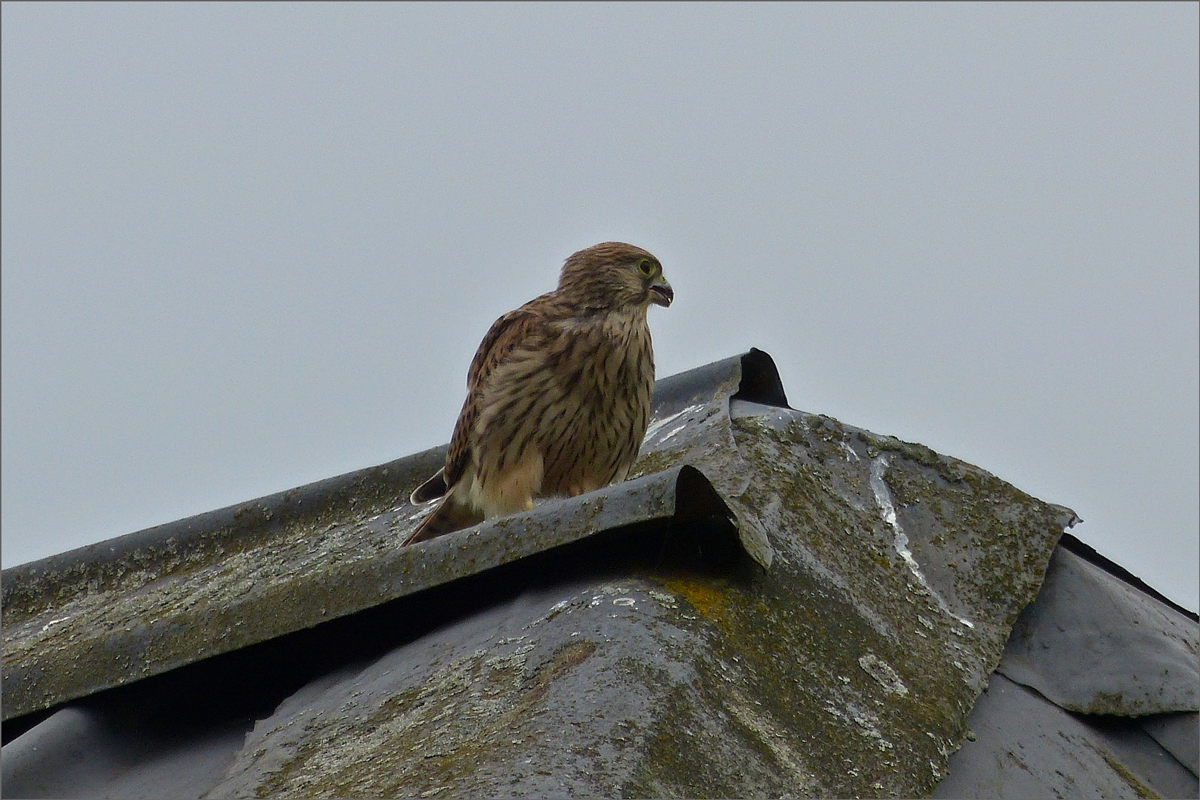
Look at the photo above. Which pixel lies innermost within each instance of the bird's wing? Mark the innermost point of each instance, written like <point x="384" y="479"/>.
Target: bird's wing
<point x="431" y="489"/>
<point x="505" y="335"/>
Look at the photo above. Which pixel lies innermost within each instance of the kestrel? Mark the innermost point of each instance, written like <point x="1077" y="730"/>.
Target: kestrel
<point x="558" y="394"/>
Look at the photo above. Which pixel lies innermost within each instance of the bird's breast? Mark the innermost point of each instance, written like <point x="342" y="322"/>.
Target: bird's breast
<point x="601" y="404"/>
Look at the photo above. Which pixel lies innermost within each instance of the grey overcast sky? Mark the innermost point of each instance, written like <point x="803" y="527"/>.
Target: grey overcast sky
<point x="246" y="247"/>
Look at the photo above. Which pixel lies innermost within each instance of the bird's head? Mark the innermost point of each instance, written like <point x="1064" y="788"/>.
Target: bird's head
<point x="612" y="275"/>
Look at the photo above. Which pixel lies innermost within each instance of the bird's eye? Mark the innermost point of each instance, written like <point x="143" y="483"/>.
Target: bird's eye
<point x="646" y="268"/>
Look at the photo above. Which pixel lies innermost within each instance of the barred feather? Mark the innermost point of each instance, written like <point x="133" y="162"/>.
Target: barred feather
<point x="558" y="394"/>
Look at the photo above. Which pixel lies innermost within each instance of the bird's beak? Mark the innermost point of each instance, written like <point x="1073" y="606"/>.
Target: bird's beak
<point x="661" y="293"/>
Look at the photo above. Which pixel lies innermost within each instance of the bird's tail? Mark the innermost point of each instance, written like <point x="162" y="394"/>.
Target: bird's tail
<point x="450" y="515"/>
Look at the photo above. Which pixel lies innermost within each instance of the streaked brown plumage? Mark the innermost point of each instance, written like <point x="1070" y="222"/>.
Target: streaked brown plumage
<point x="558" y="394"/>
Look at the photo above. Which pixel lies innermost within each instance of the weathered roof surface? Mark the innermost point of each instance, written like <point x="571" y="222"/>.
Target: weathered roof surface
<point x="775" y="604"/>
<point x="1096" y="645"/>
<point x="156" y="600"/>
<point x="1095" y="695"/>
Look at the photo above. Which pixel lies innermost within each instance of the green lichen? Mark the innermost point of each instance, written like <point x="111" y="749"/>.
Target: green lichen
<point x="835" y="672"/>
<point x="654" y="461"/>
<point x="1139" y="788"/>
<point x="1003" y="537"/>
<point x="1105" y="703"/>
<point x="426" y="740"/>
<point x="832" y="673"/>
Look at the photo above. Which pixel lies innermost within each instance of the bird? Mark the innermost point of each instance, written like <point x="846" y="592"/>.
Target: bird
<point x="558" y="394"/>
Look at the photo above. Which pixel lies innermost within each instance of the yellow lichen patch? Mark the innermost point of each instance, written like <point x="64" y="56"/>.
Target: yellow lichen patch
<point x="708" y="599"/>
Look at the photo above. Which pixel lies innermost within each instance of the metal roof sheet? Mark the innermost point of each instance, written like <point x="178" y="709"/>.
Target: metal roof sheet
<point x="159" y="599"/>
<point x="776" y="604"/>
<point x="1026" y="748"/>
<point x="1097" y="645"/>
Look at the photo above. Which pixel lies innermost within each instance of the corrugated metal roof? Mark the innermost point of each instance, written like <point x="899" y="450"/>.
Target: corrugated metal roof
<point x="776" y="604"/>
